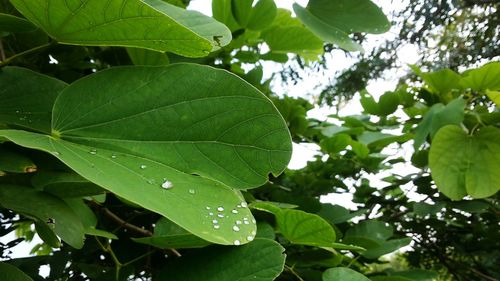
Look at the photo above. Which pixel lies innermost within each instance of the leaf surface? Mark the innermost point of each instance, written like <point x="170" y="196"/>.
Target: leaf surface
<point x="150" y="24"/>
<point x="344" y="274"/>
<point x="12" y="273"/>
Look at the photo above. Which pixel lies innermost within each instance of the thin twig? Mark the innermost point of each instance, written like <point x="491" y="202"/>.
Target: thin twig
<point x="2" y="52"/>
<point x="8" y="60"/>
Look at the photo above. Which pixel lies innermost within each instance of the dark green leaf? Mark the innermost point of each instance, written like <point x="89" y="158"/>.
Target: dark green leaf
<point x="10" y="23"/>
<point x="305" y="229"/>
<point x="11" y="273"/>
<point x="344" y="274"/>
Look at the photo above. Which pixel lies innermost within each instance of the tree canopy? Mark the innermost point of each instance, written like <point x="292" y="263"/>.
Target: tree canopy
<point x="140" y="140"/>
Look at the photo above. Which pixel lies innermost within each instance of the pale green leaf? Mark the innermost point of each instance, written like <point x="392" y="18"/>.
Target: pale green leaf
<point x="494" y="96"/>
<point x="28" y="105"/>
<point x="222" y="11"/>
<point x="12" y="273"/>
<point x="464" y="164"/>
<point x="150" y="24"/>
<point x="483" y="78"/>
<point x="263" y="14"/>
<point x="261" y="260"/>
<point x="326" y="32"/>
<point x="344" y="274"/>
<point x="442" y="81"/>
<point x="242" y="11"/>
<point x="45" y="207"/>
<point x="305" y="229"/>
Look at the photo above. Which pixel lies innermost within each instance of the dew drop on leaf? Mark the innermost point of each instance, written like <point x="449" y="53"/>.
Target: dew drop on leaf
<point x="167" y="184"/>
<point x="143" y="167"/>
<point x="220" y="209"/>
<point x="237" y="242"/>
<point x="93" y="152"/>
<point x="234" y="211"/>
<point x="244" y="204"/>
<point x="191" y="191"/>
<point x="216" y="226"/>
<point x="236" y="228"/>
<point x="250" y="238"/>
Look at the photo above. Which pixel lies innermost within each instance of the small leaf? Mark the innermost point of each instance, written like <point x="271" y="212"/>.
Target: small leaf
<point x="147" y="57"/>
<point x="12" y="273"/>
<point x="462" y="164"/>
<point x="305" y="229"/>
<point x="65" y="185"/>
<point x="14" y="162"/>
<point x="151" y="24"/>
<point x="263" y="261"/>
<point x="344" y="274"/>
<point x="494" y="96"/>
<point x="263" y="15"/>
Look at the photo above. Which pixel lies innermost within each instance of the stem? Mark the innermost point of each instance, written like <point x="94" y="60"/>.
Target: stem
<point x="2" y="52"/>
<point x="8" y="60"/>
<point x="108" y="250"/>
<point x="138" y="258"/>
<point x="293" y="272"/>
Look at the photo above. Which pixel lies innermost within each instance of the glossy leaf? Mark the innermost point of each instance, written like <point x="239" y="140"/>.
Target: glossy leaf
<point x="44" y="207"/>
<point x="65" y="185"/>
<point x="463" y="164"/>
<point x="12" y="273"/>
<point x="202" y="125"/>
<point x="28" y="105"/>
<point x="10" y="23"/>
<point x="344" y="274"/>
<point x="304" y="228"/>
<point x="150" y="24"/>
<point x="263" y="260"/>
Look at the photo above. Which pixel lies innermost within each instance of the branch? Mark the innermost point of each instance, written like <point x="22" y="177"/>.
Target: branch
<point x="8" y="60"/>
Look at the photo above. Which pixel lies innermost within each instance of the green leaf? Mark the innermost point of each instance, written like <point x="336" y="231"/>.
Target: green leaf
<point x="351" y="15"/>
<point x="417" y="275"/>
<point x="439" y="115"/>
<point x="12" y="273"/>
<point x="336" y="143"/>
<point x="261" y="260"/>
<point x="369" y="104"/>
<point x="13" y="162"/>
<point x="388" y="103"/>
<point x="371" y="228"/>
<point x="287" y="35"/>
<point x="147" y="57"/>
<point x="10" y="23"/>
<point x="168" y="235"/>
<point x="462" y="164"/>
<point x="222" y="11"/>
<point x="326" y="32"/>
<point x="150" y="24"/>
<point x="65" y="185"/>
<point x="44" y="207"/>
<point x="152" y="166"/>
<point x="242" y="10"/>
<point x="265" y="230"/>
<point x="305" y="229"/>
<point x="344" y="274"/>
<point x="263" y="15"/>
<point x="442" y="81"/>
<point x="46" y="233"/>
<point x="494" y="96"/>
<point x="337" y="214"/>
<point x="483" y="78"/>
<point x="28" y="105"/>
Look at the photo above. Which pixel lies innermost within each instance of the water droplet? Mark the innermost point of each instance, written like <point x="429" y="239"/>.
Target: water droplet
<point x="56" y="153"/>
<point x="93" y="152"/>
<point x="238" y="222"/>
<point x="246" y="222"/>
<point x="236" y="228"/>
<point x="191" y="191"/>
<point x="215" y="221"/>
<point x="238" y="206"/>
<point x="250" y="238"/>
<point x="17" y="111"/>
<point x="208" y="208"/>
<point x="167" y="184"/>
<point x="253" y="232"/>
<point x="253" y="221"/>
<point x="216" y="226"/>
<point x="113" y="156"/>
<point x="244" y="204"/>
<point x="220" y="209"/>
<point x="143" y="167"/>
<point x="220" y="215"/>
<point x="210" y="214"/>
<point x="234" y="211"/>
<point x="237" y="242"/>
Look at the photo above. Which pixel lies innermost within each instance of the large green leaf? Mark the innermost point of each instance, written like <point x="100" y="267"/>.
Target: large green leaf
<point x="332" y="21"/>
<point x="65" y="185"/>
<point x="146" y="130"/>
<point x="288" y="35"/>
<point x="12" y="273"/>
<point x="344" y="274"/>
<point x="261" y="260"/>
<point x="306" y="229"/>
<point x="150" y="24"/>
<point x="28" y="105"/>
<point x="222" y="11"/>
<point x="140" y="56"/>
<point x="464" y="164"/>
<point x="485" y="77"/>
<point x="441" y="81"/>
<point x="45" y="207"/>
<point x="255" y="17"/>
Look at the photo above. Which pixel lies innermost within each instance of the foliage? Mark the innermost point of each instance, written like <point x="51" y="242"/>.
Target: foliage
<point x="139" y="140"/>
